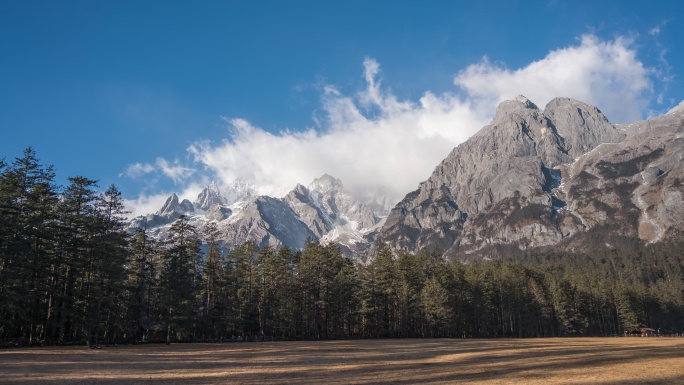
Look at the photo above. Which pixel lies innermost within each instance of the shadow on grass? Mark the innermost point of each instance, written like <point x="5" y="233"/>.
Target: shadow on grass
<point x="365" y="361"/>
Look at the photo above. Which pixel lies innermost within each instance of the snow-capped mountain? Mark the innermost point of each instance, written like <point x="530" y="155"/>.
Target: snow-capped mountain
<point x="324" y="211"/>
<point x="209" y="197"/>
<point x="334" y="214"/>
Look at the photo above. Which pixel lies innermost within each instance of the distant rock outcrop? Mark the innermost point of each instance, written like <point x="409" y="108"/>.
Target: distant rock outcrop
<point x="172" y="210"/>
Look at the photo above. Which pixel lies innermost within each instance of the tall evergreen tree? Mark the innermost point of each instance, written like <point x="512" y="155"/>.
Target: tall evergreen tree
<point x="109" y="274"/>
<point x="243" y="290"/>
<point x="76" y="259"/>
<point x="381" y="297"/>
<point x="213" y="292"/>
<point x="276" y="285"/>
<point x="180" y="279"/>
<point x="141" y="283"/>
<point x="345" y="299"/>
<point x="28" y="197"/>
<point x="410" y="280"/>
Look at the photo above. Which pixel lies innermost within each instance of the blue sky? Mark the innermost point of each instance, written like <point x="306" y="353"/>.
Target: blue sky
<point x="164" y="96"/>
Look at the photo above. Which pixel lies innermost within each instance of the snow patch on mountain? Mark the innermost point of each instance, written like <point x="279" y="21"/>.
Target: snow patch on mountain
<point x="323" y="211"/>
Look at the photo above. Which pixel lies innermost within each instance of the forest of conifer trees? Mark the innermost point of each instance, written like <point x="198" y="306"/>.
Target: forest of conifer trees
<point x="70" y="272"/>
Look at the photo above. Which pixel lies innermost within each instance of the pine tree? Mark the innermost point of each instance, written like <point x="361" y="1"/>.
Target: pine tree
<point x="76" y="260"/>
<point x="276" y="284"/>
<point x="180" y="279"/>
<point x="284" y="289"/>
<point x="381" y="299"/>
<point x="109" y="275"/>
<point x="310" y="277"/>
<point x="243" y="288"/>
<point x="411" y="279"/>
<point x="345" y="299"/>
<point x="142" y="283"/>
<point x="28" y="197"/>
<point x="438" y="313"/>
<point x="213" y="288"/>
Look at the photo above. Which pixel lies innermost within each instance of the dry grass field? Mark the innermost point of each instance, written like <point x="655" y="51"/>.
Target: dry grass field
<point x="407" y="361"/>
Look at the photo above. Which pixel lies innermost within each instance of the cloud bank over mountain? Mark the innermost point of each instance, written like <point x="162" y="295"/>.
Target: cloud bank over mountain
<point x="378" y="144"/>
<point x="603" y="73"/>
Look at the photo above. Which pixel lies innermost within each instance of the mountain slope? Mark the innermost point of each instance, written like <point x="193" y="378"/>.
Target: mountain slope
<point x="517" y="182"/>
<point x="562" y="176"/>
<point x="324" y="211"/>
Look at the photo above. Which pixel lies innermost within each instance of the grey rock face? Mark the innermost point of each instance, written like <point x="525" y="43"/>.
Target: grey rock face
<point x="333" y="214"/>
<point x="303" y="205"/>
<point x="171" y="211"/>
<point x="635" y="185"/>
<point x="323" y="211"/>
<point x="239" y="190"/>
<point x="580" y="125"/>
<point x="339" y="205"/>
<point x="508" y="184"/>
<point x="210" y="196"/>
<point x="267" y="221"/>
<point x="218" y="213"/>
<point x="172" y="206"/>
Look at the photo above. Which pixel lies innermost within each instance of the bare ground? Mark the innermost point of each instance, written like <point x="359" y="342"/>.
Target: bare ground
<point x="407" y="361"/>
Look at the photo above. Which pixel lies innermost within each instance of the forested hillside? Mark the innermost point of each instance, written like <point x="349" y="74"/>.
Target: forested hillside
<point x="71" y="273"/>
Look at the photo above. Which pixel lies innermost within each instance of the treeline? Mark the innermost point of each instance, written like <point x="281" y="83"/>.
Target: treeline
<point x="71" y="273"/>
<point x="63" y="255"/>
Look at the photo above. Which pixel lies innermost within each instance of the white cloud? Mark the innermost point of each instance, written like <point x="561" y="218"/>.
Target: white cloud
<point x="137" y="170"/>
<point x="376" y="143"/>
<point x="175" y="171"/>
<point x="145" y="204"/>
<point x="603" y="73"/>
<point x="655" y="31"/>
<point x="148" y="204"/>
<point x="392" y="152"/>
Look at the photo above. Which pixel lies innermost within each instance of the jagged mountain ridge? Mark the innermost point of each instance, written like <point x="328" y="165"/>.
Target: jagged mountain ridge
<point x="538" y="177"/>
<point x="323" y="211"/>
<point x="531" y="178"/>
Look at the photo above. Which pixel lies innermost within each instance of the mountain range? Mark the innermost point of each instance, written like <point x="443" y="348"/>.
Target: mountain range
<point x="324" y="211"/>
<point x="533" y="178"/>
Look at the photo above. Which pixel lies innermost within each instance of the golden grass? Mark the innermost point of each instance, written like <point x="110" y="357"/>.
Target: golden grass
<point x="407" y="361"/>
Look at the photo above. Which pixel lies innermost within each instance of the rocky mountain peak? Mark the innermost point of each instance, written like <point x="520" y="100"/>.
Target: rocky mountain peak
<point x="507" y="185"/>
<point x="520" y="107"/>
<point x="209" y="197"/>
<point x="580" y="126"/>
<point x="676" y="109"/>
<point x="300" y="190"/>
<point x="325" y="211"/>
<point x="214" y="187"/>
<point x="326" y="183"/>
<point x="524" y="100"/>
<point x="240" y="190"/>
<point x="520" y="127"/>
<point x="186" y="206"/>
<point x="170" y="206"/>
<point x="172" y="209"/>
<point x="520" y="102"/>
